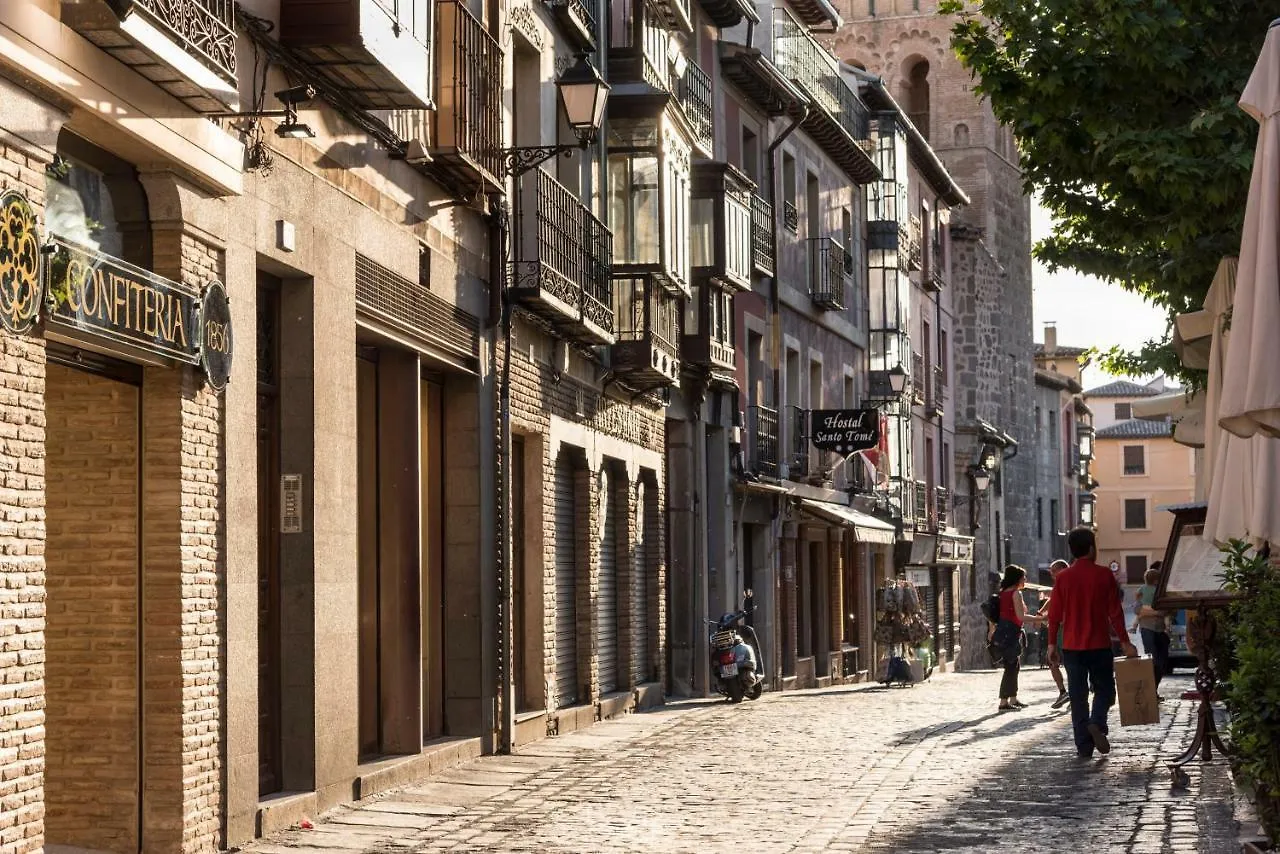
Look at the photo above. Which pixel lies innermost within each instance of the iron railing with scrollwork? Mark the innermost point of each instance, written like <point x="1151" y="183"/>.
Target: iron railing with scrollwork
<point x="798" y="465"/>
<point x="917" y="378"/>
<point x="693" y="92"/>
<point x="790" y="217"/>
<point x="762" y="235"/>
<point x="827" y="274"/>
<point x="942" y="506"/>
<point x="204" y="28"/>
<point x="762" y="422"/>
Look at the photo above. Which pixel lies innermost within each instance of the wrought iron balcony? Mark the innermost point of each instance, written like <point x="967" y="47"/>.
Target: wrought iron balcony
<point x="798" y="460"/>
<point x="790" y="217"/>
<point x="693" y="92"/>
<point x="186" y="47"/>
<point x="562" y="257"/>
<point x="917" y="378"/>
<point x="942" y="507"/>
<point x="827" y="273"/>
<point x="729" y="13"/>
<point x="933" y="389"/>
<point x="935" y="280"/>
<point x="647" y="322"/>
<point x="468" y="119"/>
<point x="939" y="385"/>
<point x="576" y="20"/>
<point x="762" y="226"/>
<point x="839" y="121"/>
<point x="922" y="500"/>
<point x="762" y="441"/>
<point x="915" y="256"/>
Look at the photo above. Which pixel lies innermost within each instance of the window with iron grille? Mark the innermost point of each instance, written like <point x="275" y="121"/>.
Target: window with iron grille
<point x="1135" y="460"/>
<point x="1124" y="411"/>
<point x="1135" y="514"/>
<point x="1135" y="567"/>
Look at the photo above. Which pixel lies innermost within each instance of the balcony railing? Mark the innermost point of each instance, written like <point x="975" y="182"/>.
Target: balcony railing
<point x="790" y="217"/>
<point x="915" y="256"/>
<point x="562" y="260"/>
<point x="942" y="506"/>
<point x="576" y="19"/>
<point x="917" y="378"/>
<point x="840" y="122"/>
<point x="827" y="266"/>
<point x="647" y="320"/>
<point x="693" y="93"/>
<point x="204" y="28"/>
<point x="762" y="227"/>
<point x="762" y="422"/>
<point x="469" y="118"/>
<point x="187" y="47"/>
<point x="799" y="462"/>
<point x="921" y="499"/>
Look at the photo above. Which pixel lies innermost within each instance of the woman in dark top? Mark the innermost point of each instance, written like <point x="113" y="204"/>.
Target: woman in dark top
<point x="1009" y="636"/>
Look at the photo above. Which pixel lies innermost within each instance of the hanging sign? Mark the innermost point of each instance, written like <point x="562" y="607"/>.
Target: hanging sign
<point x="845" y="430"/>
<point x="215" y="334"/>
<point x="95" y="293"/>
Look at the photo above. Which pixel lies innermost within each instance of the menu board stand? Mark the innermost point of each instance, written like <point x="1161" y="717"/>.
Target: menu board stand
<point x="1189" y="579"/>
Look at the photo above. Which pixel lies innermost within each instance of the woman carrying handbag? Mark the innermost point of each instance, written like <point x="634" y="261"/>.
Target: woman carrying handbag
<point x="1009" y="637"/>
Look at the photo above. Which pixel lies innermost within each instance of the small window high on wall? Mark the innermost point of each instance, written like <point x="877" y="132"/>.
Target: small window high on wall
<point x="915" y="92"/>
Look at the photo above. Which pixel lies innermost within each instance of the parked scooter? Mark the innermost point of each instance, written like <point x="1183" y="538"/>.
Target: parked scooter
<point x="737" y="666"/>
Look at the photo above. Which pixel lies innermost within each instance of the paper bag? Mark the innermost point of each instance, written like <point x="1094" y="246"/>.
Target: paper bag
<point x="1136" y="691"/>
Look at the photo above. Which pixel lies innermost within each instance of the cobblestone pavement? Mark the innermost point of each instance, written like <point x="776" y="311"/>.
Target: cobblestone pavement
<point x="927" y="768"/>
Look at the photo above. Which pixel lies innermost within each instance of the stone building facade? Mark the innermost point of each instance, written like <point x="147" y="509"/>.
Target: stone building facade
<point x="908" y="45"/>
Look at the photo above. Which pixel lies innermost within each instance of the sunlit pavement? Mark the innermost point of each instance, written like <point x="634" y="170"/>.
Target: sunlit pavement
<point x="928" y="768"/>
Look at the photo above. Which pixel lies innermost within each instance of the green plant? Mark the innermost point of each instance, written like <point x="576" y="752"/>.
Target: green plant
<point x="1253" y="691"/>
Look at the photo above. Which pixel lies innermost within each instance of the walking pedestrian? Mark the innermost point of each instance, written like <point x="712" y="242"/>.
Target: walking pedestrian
<point x="1086" y="606"/>
<point x="1009" y="637"/>
<point x="1152" y="625"/>
<point x="1055" y="669"/>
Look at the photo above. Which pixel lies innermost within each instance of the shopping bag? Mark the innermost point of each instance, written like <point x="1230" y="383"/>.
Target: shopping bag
<point x="1136" y="691"/>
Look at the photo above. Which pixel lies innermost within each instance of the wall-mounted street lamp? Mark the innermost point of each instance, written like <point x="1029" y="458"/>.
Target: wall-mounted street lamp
<point x="894" y="380"/>
<point x="980" y="480"/>
<point x="290" y="98"/>
<point x="583" y="94"/>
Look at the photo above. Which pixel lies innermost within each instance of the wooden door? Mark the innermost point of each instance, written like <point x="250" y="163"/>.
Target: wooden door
<point x="270" y="776"/>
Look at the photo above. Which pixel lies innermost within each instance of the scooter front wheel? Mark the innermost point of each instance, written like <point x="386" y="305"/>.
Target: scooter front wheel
<point x="756" y="690"/>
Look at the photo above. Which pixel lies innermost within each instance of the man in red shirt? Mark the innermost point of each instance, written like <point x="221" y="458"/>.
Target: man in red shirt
<point x="1086" y="604"/>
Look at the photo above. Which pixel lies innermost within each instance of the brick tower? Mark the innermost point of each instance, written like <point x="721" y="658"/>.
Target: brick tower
<point x="907" y="43"/>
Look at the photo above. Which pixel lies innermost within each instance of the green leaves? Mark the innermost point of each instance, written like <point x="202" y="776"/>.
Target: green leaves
<point x="1125" y="112"/>
<point x="1253" y="692"/>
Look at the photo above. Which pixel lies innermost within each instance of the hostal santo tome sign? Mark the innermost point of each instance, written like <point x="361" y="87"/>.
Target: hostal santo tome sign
<point x="845" y="430"/>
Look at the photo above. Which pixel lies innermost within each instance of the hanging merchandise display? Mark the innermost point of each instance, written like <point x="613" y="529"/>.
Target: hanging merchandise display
<point x="900" y="624"/>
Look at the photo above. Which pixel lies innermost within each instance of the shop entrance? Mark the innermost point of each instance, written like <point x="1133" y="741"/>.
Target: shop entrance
<point x="93" y="635"/>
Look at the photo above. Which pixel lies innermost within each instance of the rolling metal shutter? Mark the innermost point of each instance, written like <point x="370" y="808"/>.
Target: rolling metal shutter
<point x="640" y="592"/>
<point x="566" y="586"/>
<point x="946" y="578"/>
<point x="607" y="598"/>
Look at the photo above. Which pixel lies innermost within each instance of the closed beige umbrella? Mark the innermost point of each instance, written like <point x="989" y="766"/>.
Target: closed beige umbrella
<point x="1243" y="473"/>
<point x="1250" y="398"/>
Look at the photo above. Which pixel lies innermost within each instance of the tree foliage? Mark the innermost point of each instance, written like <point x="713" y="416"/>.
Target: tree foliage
<point x="1126" y="115"/>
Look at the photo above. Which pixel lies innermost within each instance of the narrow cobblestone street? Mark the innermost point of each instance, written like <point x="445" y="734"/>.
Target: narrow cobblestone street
<point x="928" y="768"/>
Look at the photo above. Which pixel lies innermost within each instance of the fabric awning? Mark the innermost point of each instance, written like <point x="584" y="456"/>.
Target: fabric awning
<point x="866" y="529"/>
<point x="1186" y="411"/>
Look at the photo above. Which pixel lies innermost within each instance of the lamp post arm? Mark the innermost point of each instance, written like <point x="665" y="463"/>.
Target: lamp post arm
<point x="517" y="161"/>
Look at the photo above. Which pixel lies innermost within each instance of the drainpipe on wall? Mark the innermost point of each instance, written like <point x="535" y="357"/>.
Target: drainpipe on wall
<point x="500" y="315"/>
<point x="774" y="298"/>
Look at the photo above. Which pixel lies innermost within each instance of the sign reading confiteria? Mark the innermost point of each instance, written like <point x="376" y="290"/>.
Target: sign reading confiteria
<point x="93" y="292"/>
<point x="844" y="430"/>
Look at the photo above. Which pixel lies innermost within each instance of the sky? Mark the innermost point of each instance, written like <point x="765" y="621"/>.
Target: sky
<point x="1088" y="311"/>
